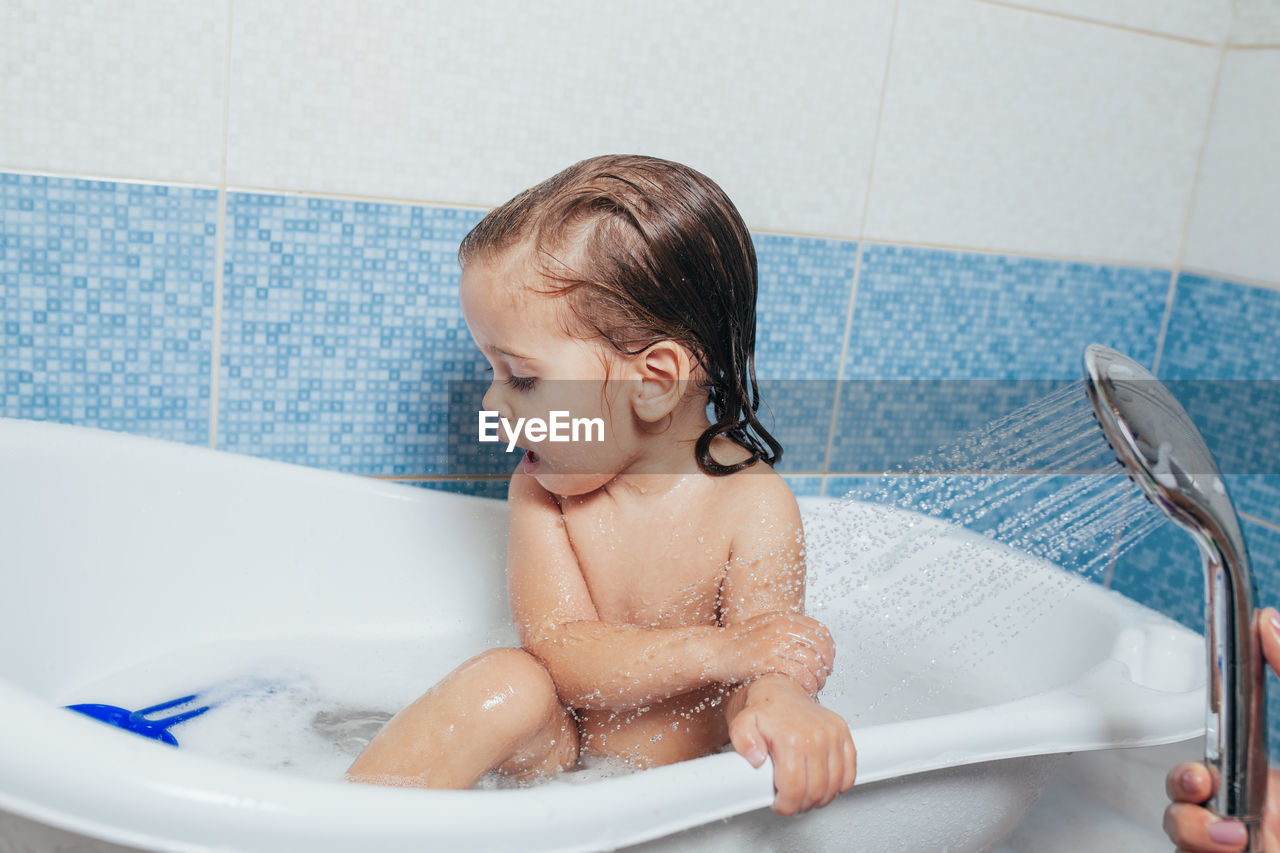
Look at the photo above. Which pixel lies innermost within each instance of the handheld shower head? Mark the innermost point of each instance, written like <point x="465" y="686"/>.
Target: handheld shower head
<point x="1167" y="457"/>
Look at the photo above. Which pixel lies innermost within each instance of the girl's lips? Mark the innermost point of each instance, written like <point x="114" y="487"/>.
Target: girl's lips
<point x="529" y="463"/>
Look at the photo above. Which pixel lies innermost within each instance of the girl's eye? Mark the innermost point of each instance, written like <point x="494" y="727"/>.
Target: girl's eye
<point x="521" y="383"/>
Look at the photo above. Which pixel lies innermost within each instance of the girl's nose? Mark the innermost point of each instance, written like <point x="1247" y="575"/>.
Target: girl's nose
<point x="495" y="400"/>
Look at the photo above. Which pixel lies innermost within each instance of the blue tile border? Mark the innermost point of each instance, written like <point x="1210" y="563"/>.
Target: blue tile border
<point x="107" y="304"/>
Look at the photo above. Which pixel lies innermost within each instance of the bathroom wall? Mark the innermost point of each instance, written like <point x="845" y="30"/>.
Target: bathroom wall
<point x="232" y="222"/>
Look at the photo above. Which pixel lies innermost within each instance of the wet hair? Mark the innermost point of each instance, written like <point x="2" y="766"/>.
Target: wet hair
<point x="646" y="250"/>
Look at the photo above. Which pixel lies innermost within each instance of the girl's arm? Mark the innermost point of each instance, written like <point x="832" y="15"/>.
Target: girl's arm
<point x="599" y="665"/>
<point x="774" y="715"/>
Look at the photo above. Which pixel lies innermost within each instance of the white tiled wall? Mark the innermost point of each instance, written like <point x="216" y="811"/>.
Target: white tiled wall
<point x="130" y="89"/>
<point x="1235" y="223"/>
<point x="1008" y="130"/>
<point x="469" y="102"/>
<point x="1256" y="23"/>
<point x="1059" y="127"/>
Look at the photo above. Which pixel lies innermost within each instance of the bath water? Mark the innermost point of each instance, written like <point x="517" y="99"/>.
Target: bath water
<point x="299" y="705"/>
<point x="306" y="706"/>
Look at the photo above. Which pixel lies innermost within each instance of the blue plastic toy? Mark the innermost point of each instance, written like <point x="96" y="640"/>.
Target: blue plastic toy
<point x="139" y="723"/>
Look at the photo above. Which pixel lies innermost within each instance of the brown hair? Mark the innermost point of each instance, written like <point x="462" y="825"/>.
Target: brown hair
<point x="649" y="250"/>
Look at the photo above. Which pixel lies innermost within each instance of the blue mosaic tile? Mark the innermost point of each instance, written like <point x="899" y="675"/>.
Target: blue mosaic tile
<point x="1222" y="330"/>
<point x="479" y="488"/>
<point x="107" y="304"/>
<point x="803" y="304"/>
<point x="1013" y="328"/>
<point x="1221" y="359"/>
<point x="934" y="314"/>
<point x="804" y="487"/>
<point x="908" y="424"/>
<point x="1164" y="571"/>
<point x="341" y="332"/>
<point x="797" y="412"/>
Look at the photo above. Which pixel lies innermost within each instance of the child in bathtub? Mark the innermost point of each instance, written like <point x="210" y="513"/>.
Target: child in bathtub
<point x="656" y="576"/>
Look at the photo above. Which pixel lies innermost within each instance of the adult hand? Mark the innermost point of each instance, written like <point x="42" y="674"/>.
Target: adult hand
<point x="1193" y="828"/>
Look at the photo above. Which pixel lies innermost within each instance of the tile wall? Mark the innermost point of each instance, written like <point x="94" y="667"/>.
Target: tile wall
<point x="232" y="222"/>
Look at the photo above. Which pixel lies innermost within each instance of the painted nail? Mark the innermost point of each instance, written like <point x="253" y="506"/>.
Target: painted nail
<point x="1188" y="781"/>
<point x="1228" y="832"/>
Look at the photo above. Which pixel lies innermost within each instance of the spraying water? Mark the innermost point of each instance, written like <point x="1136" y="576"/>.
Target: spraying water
<point x="1040" y="480"/>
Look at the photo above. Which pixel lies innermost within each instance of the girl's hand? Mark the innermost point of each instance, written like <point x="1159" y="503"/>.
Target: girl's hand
<point x="813" y="754"/>
<point x="1194" y="828"/>
<point x="779" y="642"/>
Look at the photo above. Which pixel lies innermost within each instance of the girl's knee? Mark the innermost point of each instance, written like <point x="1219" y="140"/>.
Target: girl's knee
<point x="516" y="685"/>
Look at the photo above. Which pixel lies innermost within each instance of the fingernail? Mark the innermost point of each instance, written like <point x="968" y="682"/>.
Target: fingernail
<point x="755" y="755"/>
<point x="1228" y="832"/>
<point x="1275" y="620"/>
<point x="1188" y="781"/>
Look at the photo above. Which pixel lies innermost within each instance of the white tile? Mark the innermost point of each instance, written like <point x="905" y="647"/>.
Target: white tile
<point x="469" y="103"/>
<point x="1236" y="216"/>
<point x="1256" y="22"/>
<point x="1006" y="129"/>
<point x="129" y="89"/>
<point x="1203" y="20"/>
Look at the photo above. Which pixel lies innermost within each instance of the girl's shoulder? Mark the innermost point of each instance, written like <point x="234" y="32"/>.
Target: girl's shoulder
<point x="759" y="491"/>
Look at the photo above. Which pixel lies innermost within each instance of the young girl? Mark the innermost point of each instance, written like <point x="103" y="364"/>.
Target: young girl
<point x="656" y="576"/>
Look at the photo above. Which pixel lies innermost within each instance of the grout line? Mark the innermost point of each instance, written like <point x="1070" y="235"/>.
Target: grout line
<point x="844" y="353"/>
<point x="1105" y="24"/>
<point x="1165" y="319"/>
<point x="216" y="349"/>
<point x="875" y="140"/>
<point x="439" y="478"/>
<point x="220" y="254"/>
<point x="371" y="199"/>
<point x="1270" y="525"/>
<point x="1235" y="279"/>
<point x="103" y="176"/>
<point x="857" y="260"/>
<point x="1018" y="253"/>
<point x="1186" y="215"/>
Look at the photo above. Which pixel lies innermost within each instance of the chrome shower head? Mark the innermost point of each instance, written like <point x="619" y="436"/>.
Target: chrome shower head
<point x="1164" y="453"/>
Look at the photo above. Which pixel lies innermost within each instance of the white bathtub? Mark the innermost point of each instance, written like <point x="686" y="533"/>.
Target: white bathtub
<point x="133" y="568"/>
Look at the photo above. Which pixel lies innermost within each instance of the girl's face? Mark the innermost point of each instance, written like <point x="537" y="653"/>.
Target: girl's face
<point x="538" y="368"/>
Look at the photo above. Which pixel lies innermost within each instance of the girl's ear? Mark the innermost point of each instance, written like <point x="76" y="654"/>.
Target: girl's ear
<point x="663" y="370"/>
